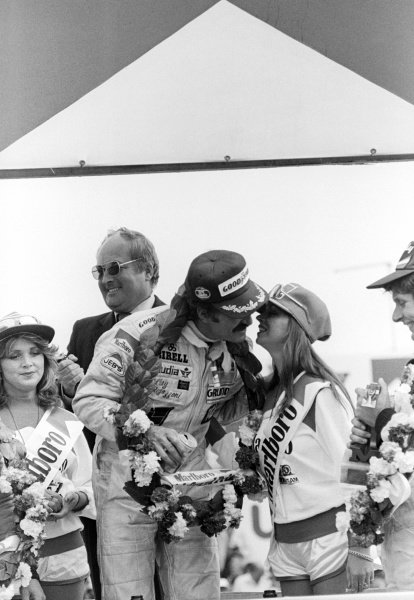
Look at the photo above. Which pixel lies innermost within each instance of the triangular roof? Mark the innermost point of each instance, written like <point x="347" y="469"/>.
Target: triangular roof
<point x="205" y="80"/>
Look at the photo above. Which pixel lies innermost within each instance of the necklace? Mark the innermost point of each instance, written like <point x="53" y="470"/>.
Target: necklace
<point x="17" y="429"/>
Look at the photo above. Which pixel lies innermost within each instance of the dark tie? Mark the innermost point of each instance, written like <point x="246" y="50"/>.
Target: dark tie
<point x="120" y="316"/>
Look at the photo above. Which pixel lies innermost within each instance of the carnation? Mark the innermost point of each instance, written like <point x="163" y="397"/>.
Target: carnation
<point x="31" y="528"/>
<point x="381" y="491"/>
<point x="389" y="450"/>
<point x="5" y="486"/>
<point x="24" y="574"/>
<point x="404" y="461"/>
<point x="7" y="593"/>
<point x="137" y="423"/>
<point x="379" y="466"/>
<point x="179" y="528"/>
<point x="246" y="435"/>
<point x="342" y="520"/>
<point x="152" y="461"/>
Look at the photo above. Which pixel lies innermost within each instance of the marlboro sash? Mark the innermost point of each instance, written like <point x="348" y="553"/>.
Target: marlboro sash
<point x="50" y="443"/>
<point x="279" y="433"/>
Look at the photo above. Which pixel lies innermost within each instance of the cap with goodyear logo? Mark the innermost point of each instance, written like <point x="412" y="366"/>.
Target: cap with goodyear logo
<point x="221" y="278"/>
<point x="404" y="267"/>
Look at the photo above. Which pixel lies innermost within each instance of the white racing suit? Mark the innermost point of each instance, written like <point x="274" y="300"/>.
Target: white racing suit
<point x="184" y="399"/>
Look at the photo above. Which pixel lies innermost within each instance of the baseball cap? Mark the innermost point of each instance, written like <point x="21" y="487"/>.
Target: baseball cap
<point x="305" y="307"/>
<point x="404" y="267"/>
<point x="221" y="278"/>
<point x="17" y="324"/>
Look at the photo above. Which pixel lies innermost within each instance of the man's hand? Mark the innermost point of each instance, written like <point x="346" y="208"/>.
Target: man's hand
<point x="69" y="374"/>
<point x="359" y="435"/>
<point x="168" y="446"/>
<point x="367" y="414"/>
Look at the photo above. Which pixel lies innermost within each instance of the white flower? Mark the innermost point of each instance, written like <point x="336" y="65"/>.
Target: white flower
<point x="404" y="461"/>
<point x="137" y="423"/>
<point x="5" y="486"/>
<point x="23" y="574"/>
<point x="36" y="492"/>
<point x="179" y="527"/>
<point x="157" y="511"/>
<point x="389" y="450"/>
<point x="246" y="435"/>
<point x="7" y="593"/>
<point x="342" y="520"/>
<point x="152" y="462"/>
<point x="379" y="466"/>
<point x="31" y="528"/>
<point x="381" y="491"/>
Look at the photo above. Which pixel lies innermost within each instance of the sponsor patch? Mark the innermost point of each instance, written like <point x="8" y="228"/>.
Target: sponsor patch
<point x="202" y="293"/>
<point x="113" y="362"/>
<point x="183" y="385"/>
<point x="146" y="323"/>
<point x="214" y="394"/>
<point x="234" y="283"/>
<point x="124" y="341"/>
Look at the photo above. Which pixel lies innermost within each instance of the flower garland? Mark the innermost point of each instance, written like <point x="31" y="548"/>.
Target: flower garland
<point x="173" y="511"/>
<point x="24" y="507"/>
<point x="370" y="507"/>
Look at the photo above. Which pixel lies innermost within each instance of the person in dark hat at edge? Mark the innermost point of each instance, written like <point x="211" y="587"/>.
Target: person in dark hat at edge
<point x="207" y="340"/>
<point x="397" y="550"/>
<point x="127" y="272"/>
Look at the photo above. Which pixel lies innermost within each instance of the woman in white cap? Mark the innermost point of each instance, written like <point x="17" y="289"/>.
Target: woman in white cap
<point x="30" y="408"/>
<point x="301" y="443"/>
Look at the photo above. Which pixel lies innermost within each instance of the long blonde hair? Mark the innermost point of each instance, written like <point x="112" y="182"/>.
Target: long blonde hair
<point x="47" y="390"/>
<point x="299" y="355"/>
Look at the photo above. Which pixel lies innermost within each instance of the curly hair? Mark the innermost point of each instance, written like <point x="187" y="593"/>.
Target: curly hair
<point x="47" y="389"/>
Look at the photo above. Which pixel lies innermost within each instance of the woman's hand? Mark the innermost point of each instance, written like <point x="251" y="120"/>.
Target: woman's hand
<point x="360" y="571"/>
<point x="55" y="503"/>
<point x="72" y="500"/>
<point x="33" y="591"/>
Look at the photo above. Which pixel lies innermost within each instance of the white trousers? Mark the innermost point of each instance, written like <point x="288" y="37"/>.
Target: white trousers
<point x="128" y="545"/>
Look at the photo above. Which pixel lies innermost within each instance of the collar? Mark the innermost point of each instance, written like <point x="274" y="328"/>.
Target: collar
<point x="215" y="348"/>
<point x="144" y="305"/>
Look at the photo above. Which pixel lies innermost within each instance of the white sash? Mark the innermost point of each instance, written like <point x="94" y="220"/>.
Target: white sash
<point x="50" y="443"/>
<point x="286" y="425"/>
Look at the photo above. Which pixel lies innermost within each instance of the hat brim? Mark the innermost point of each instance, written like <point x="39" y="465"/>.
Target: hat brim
<point x="385" y="281"/>
<point x="245" y="304"/>
<point x="43" y="331"/>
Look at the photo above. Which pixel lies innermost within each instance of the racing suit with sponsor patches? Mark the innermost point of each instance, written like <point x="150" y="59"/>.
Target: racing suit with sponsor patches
<point x="184" y="398"/>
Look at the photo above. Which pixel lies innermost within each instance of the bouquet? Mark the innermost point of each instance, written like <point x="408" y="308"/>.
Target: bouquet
<point x="167" y="505"/>
<point x="386" y="480"/>
<point x="23" y="515"/>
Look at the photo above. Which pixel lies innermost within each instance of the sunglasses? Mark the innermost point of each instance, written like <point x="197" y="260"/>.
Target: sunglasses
<point x="16" y="321"/>
<point x="112" y="268"/>
<point x="281" y="291"/>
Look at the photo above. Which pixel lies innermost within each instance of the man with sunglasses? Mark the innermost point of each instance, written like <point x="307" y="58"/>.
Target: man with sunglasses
<point x="127" y="272"/>
<point x="206" y="371"/>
